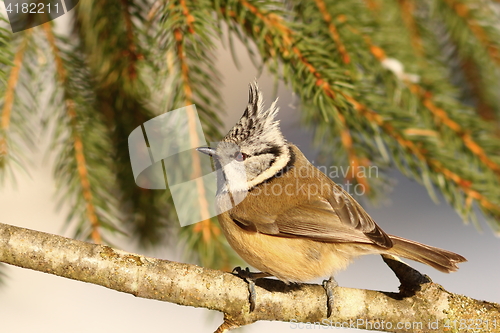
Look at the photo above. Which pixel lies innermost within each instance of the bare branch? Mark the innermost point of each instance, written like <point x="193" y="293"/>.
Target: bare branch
<point x="196" y="286"/>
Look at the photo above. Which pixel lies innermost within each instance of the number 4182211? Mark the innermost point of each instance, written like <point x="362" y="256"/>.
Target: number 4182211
<point x="33" y="8"/>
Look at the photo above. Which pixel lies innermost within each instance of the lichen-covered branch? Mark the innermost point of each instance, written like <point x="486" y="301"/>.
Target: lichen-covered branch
<point x="190" y="285"/>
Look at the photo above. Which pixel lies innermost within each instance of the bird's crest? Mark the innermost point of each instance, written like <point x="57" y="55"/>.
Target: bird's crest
<point x="257" y="123"/>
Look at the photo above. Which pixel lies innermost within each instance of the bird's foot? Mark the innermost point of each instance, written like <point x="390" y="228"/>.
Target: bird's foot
<point x="329" y="286"/>
<point x="250" y="278"/>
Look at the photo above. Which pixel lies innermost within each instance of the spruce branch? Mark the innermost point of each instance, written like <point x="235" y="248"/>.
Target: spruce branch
<point x="187" y="31"/>
<point x="440" y="114"/>
<point x="333" y="95"/>
<point x="82" y="143"/>
<point x="408" y="12"/>
<point x="129" y="54"/>
<point x="6" y="66"/>
<point x="295" y="51"/>
<point x="436" y="165"/>
<point x="23" y="106"/>
<point x="8" y="100"/>
<point x="427" y="101"/>
<point x="81" y="165"/>
<point x="193" y="135"/>
<point x="420" y="301"/>
<point x="355" y="162"/>
<point x="471" y="72"/>
<point x="471" y="29"/>
<point x="345" y="135"/>
<point x="483" y="149"/>
<point x="327" y="17"/>
<point x="113" y="47"/>
<point x="464" y="11"/>
<point x="5" y="51"/>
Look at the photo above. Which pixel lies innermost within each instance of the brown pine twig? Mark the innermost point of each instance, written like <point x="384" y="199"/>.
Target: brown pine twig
<point x="408" y="14"/>
<point x="77" y="140"/>
<point x="477" y="30"/>
<point x="206" y="225"/>
<point x="333" y="31"/>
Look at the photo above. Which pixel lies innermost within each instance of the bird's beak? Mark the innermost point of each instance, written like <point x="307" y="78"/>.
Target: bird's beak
<point x="207" y="150"/>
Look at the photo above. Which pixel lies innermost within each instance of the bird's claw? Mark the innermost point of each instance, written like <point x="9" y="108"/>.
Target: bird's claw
<point x="249" y="277"/>
<point x="329" y="286"/>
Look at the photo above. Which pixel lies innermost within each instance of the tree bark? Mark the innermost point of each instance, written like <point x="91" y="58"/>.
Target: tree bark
<point x="424" y="307"/>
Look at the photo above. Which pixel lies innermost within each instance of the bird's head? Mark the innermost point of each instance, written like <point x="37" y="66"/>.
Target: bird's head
<point x="255" y="144"/>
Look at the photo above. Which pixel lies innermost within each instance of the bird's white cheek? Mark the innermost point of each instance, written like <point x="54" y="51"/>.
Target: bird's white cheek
<point x="236" y="176"/>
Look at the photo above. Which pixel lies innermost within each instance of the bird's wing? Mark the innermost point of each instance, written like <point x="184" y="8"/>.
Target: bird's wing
<point x="337" y="219"/>
<point x="352" y="214"/>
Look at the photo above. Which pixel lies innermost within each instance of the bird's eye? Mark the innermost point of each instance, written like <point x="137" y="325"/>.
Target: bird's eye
<point x="240" y="157"/>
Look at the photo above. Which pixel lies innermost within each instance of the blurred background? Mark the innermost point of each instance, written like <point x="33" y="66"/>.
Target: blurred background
<point x="44" y="193"/>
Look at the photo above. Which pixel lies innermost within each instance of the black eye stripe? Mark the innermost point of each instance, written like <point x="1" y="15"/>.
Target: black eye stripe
<point x="275" y="150"/>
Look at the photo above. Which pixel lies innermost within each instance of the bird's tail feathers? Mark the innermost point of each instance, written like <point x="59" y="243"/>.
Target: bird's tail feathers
<point x="442" y="260"/>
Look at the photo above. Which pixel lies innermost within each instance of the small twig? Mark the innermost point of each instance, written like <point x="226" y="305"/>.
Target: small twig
<point x="227" y="325"/>
<point x="411" y="280"/>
